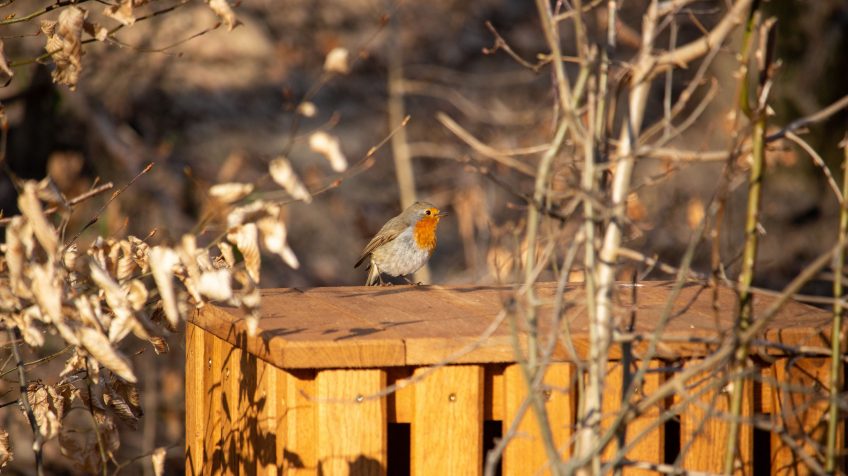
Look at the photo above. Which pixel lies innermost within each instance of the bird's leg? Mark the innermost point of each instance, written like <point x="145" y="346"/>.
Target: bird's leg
<point x="412" y="283"/>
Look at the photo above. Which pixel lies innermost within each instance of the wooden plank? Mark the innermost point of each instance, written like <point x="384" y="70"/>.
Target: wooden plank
<point x="493" y="392"/>
<point x="214" y="448"/>
<point x="351" y="427"/>
<point x="801" y="408"/>
<point x="651" y="447"/>
<point x="525" y="453"/>
<point x="270" y="424"/>
<point x="447" y="431"/>
<point x="194" y="397"/>
<point x="296" y="453"/>
<point x="231" y="431"/>
<point x="358" y="327"/>
<point x="246" y="424"/>
<point x="704" y="428"/>
<point x="400" y="404"/>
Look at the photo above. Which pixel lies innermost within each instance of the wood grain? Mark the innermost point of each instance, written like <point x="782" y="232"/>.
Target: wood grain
<point x="649" y="448"/>
<point x="362" y="327"/>
<point x="297" y="451"/>
<point x="351" y="428"/>
<point x="447" y="430"/>
<point x="194" y="394"/>
<point x="800" y="408"/>
<point x="704" y="429"/>
<point x="525" y="453"/>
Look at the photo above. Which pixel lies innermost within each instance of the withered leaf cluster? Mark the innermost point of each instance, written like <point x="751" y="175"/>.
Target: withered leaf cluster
<point x="94" y="297"/>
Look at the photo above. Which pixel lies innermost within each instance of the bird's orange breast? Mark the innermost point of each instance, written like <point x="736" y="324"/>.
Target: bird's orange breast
<point x="425" y="233"/>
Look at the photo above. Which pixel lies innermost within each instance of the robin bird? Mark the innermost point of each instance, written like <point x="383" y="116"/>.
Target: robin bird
<point x="404" y="244"/>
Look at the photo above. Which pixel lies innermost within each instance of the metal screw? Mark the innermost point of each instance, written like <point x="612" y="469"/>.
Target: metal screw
<point x="360" y="399"/>
<point x="547" y="394"/>
<point x="452" y="397"/>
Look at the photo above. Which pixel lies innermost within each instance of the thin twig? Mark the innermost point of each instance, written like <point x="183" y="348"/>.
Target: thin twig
<point x="15" y="336"/>
<point x="484" y="149"/>
<point x="840" y="196"/>
<point x="836" y="331"/>
<point x="817" y="116"/>
<point x="74" y="201"/>
<point x="115" y="195"/>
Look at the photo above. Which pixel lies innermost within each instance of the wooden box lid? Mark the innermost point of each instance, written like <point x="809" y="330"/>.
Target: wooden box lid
<point x="355" y="327"/>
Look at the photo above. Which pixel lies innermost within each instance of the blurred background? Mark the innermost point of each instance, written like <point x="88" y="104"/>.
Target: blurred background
<point x="207" y="105"/>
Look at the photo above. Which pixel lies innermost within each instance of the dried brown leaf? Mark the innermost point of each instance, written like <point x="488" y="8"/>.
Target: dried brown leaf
<point x="70" y="256"/>
<point x="329" y="147"/>
<point x="274" y="238"/>
<point x="6" y="450"/>
<point x="246" y="239"/>
<point x="16" y="255"/>
<point x="157" y="459"/>
<point x="99" y="347"/>
<point x="224" y="12"/>
<point x="160" y="345"/>
<point x="230" y="192"/>
<point x="116" y="298"/>
<point x="307" y="109"/>
<point x="162" y="263"/>
<point x="122" y="399"/>
<point x="48" y="290"/>
<point x="74" y="364"/>
<point x="137" y="294"/>
<point x="4" y="66"/>
<point x="24" y="321"/>
<point x="337" y="61"/>
<point x="48" y="407"/>
<point x="31" y="209"/>
<point x="188" y="256"/>
<point x="283" y="174"/>
<point x="216" y="285"/>
<point x="139" y="250"/>
<point x="227" y="254"/>
<point x="65" y="46"/>
<point x="123" y="12"/>
<point x="90" y="313"/>
<point x="96" y="30"/>
<point x="250" y="301"/>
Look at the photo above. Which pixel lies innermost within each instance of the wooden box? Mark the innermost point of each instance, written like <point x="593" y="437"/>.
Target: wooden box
<point x="422" y="380"/>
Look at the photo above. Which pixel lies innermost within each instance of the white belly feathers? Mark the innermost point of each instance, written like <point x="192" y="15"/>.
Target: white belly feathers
<point x="401" y="256"/>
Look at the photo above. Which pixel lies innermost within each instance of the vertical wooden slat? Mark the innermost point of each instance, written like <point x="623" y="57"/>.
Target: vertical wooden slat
<point x="249" y="435"/>
<point x="704" y="431"/>
<point x="525" y="453"/>
<point x="267" y="418"/>
<point x="400" y="404"/>
<point x="231" y="432"/>
<point x="194" y="397"/>
<point x="493" y="393"/>
<point x="447" y="431"/>
<point x="296" y="452"/>
<point x="351" y="428"/>
<point x="800" y="409"/>
<point x="651" y="447"/>
<point x="214" y="413"/>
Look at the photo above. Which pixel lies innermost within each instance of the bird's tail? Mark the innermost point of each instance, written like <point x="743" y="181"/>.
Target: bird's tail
<point x="373" y="275"/>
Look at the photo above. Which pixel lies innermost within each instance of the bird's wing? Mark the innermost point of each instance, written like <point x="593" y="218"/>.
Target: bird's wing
<point x="389" y="232"/>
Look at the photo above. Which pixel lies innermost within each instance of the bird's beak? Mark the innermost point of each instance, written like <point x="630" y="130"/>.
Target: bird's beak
<point x="441" y="214"/>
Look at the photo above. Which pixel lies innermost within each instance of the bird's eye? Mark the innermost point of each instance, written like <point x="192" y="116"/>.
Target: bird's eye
<point x="427" y="212"/>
